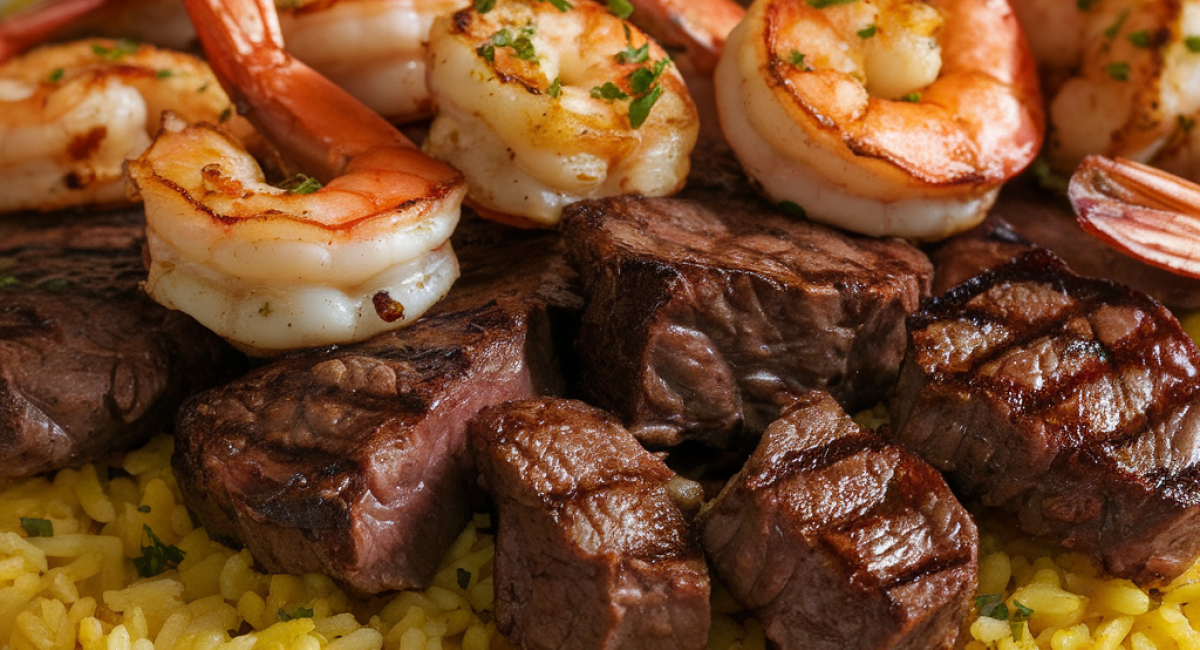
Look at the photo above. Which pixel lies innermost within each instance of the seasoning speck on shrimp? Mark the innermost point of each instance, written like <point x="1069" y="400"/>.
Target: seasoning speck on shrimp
<point x="885" y="117"/>
<point x="71" y="114"/>
<point x="361" y="249"/>
<point x="542" y="104"/>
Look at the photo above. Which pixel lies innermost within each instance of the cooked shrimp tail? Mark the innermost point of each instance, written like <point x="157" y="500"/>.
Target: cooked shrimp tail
<point x="272" y="268"/>
<point x="699" y="28"/>
<point x="27" y="29"/>
<point x="1142" y="211"/>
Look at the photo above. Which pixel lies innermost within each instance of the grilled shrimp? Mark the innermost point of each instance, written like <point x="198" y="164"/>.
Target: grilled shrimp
<point x="1136" y="92"/>
<point x="372" y="48"/>
<point x="160" y="22"/>
<point x="542" y="104"/>
<point x="273" y="269"/>
<point x="885" y="117"/>
<point x="71" y="114"/>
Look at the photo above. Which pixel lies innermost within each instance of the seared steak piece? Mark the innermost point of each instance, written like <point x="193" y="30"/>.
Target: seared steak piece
<point x="592" y="550"/>
<point x="1071" y="402"/>
<point x="991" y="244"/>
<point x="837" y="540"/>
<point x="89" y="365"/>
<point x="352" y="460"/>
<point x="708" y="311"/>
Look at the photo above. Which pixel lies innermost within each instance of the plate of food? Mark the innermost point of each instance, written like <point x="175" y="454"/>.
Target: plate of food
<point x="685" y="326"/>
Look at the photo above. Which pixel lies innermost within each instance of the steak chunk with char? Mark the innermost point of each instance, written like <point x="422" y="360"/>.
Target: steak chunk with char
<point x="89" y="365"/>
<point x="708" y="311"/>
<point x="837" y="540"/>
<point x="352" y="461"/>
<point x="1072" y="402"/>
<point x="593" y="550"/>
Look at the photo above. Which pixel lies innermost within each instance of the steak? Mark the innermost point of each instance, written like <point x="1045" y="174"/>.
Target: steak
<point x="89" y="365"/>
<point x="708" y="311"/>
<point x="1072" y="402"/>
<point x="592" y="548"/>
<point x="837" y="540"/>
<point x="352" y="461"/>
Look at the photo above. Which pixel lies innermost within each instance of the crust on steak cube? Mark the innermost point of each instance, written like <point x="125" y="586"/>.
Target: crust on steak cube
<point x="839" y="541"/>
<point x="1072" y="402"/>
<point x="352" y="461"/>
<point x="592" y="548"/>
<point x="89" y="365"/>
<point x="709" y="310"/>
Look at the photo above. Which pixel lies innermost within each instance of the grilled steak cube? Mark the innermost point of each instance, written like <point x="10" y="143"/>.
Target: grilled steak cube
<point x="352" y="461"/>
<point x="592" y="550"/>
<point x="1069" y="401"/>
<point x="708" y="311"/>
<point x="89" y="365"/>
<point x="837" y="540"/>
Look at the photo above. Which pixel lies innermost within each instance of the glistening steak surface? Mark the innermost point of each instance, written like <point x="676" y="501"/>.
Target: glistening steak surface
<point x="839" y="541"/>
<point x="1072" y="402"/>
<point x="89" y="365"/>
<point x="708" y="311"/>
<point x="352" y="461"/>
<point x="592" y="550"/>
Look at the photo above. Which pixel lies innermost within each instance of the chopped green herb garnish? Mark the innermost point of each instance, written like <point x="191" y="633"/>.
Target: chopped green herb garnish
<point x="793" y="209"/>
<point x="797" y="61"/>
<point x="1140" y="38"/>
<point x="8" y="281"/>
<point x="1047" y="177"/>
<point x="157" y="557"/>
<point x="120" y="50"/>
<point x="484" y="6"/>
<point x="56" y="75"/>
<point x="1112" y="30"/>
<point x="1023" y="613"/>
<point x="1192" y="43"/>
<point x="992" y="606"/>
<point x="609" y="91"/>
<point x="265" y="310"/>
<point x="633" y="54"/>
<point x="300" y="184"/>
<point x="226" y="114"/>
<point x="487" y="52"/>
<point x="463" y="577"/>
<point x="639" y="109"/>
<point x="163" y="74"/>
<point x="1185" y="123"/>
<point x="561" y="5"/>
<point x="642" y="80"/>
<point x="144" y="509"/>
<point x="1086" y="5"/>
<point x="912" y="97"/>
<point x="866" y="32"/>
<point x="521" y="44"/>
<point x="555" y="88"/>
<point x="301" y="612"/>
<point x="55" y="285"/>
<point x="821" y="4"/>
<point x="620" y="8"/>
<point x="35" y="527"/>
<point x="204" y="87"/>
<point x="1118" y="70"/>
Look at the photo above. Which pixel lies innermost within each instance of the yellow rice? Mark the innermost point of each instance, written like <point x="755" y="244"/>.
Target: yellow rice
<point x="79" y="588"/>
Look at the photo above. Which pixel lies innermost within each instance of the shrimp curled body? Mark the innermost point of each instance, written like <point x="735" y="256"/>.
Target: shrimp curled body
<point x="884" y="117"/>
<point x="272" y="269"/>
<point x="541" y="107"/>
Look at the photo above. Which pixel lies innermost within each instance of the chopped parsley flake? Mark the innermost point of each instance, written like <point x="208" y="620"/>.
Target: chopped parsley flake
<point x="555" y="88"/>
<point x="301" y="612"/>
<point x="1112" y="30"/>
<point x="1140" y="38"/>
<point x="620" y="8"/>
<point x="300" y="184"/>
<point x="866" y="32"/>
<point x="56" y="75"/>
<point x="639" y="109"/>
<point x="1185" y="123"/>
<point x="122" y="48"/>
<point x="484" y="6"/>
<point x="144" y="509"/>
<point x="204" y="87"/>
<point x="793" y="209"/>
<point x="797" y="61"/>
<point x="561" y="5"/>
<point x="265" y="310"/>
<point x="912" y="97"/>
<point x="1192" y="43"/>
<point x="609" y="91"/>
<point x="8" y="281"/>
<point x="1118" y="70"/>
<point x="1086" y="5"/>
<point x="992" y="606"/>
<point x="463" y="577"/>
<point x="821" y="4"/>
<point x="487" y="52"/>
<point x="157" y="557"/>
<point x="35" y="527"/>
<point x="226" y="114"/>
<point x="521" y="45"/>
<point x="163" y="74"/>
<point x="633" y="54"/>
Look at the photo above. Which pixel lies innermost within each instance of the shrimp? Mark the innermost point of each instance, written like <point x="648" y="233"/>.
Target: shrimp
<point x="884" y="117"/>
<point x="272" y="269"/>
<point x="1137" y="91"/>
<point x="71" y="114"/>
<point x="31" y="27"/>
<point x="697" y="28"/>
<point x="159" y="22"/>
<point x="544" y="104"/>
<point x="372" y="48"/>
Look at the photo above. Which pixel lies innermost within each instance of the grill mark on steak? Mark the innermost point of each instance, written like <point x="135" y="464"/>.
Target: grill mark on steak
<point x="875" y="531"/>
<point x="352" y="460"/>
<point x="592" y="551"/>
<point x="1076" y="410"/>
